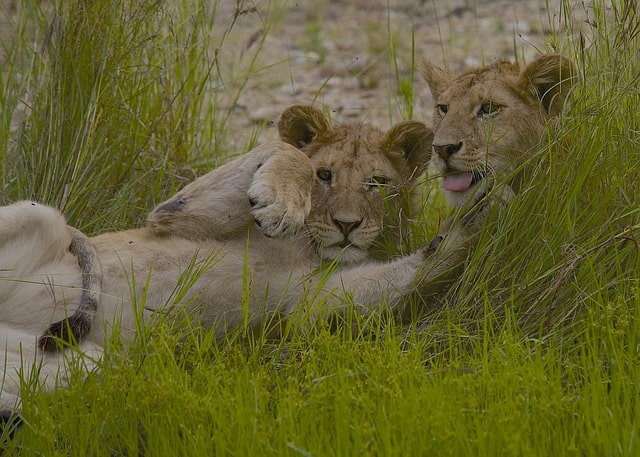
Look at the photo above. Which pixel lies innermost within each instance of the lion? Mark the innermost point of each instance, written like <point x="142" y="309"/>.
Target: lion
<point x="488" y="121"/>
<point x="243" y="243"/>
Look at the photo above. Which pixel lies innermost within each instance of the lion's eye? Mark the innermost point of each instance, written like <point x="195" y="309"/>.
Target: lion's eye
<point x="488" y="109"/>
<point x="377" y="181"/>
<point x="324" y="174"/>
<point x="442" y="109"/>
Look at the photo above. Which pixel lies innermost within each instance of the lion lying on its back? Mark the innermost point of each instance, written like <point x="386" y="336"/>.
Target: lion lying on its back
<point x="328" y="195"/>
<point x="486" y="123"/>
<point x="232" y="248"/>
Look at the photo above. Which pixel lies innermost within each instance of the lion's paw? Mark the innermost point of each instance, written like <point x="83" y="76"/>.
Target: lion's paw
<point x="279" y="204"/>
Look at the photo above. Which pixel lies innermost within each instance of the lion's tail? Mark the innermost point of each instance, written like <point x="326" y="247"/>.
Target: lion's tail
<point x="75" y="327"/>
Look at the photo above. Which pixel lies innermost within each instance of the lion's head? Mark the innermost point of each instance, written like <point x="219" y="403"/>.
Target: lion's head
<point x="488" y="120"/>
<point x="361" y="177"/>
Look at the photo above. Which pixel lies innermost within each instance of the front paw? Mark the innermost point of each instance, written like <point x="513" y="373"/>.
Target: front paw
<point x="279" y="204"/>
<point x="433" y="246"/>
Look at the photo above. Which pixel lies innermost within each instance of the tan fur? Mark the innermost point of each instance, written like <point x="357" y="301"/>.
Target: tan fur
<point x="203" y="254"/>
<point x="286" y="195"/>
<point x="495" y="116"/>
<point x="234" y="247"/>
<point x="487" y="122"/>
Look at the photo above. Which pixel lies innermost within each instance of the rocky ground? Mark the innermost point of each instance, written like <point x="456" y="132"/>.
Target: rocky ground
<point x="336" y="52"/>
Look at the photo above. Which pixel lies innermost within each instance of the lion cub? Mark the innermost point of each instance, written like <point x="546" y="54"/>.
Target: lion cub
<point x="487" y="122"/>
<point x="328" y="191"/>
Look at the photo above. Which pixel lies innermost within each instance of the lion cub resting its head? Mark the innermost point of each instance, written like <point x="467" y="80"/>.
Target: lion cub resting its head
<point x="487" y="122"/>
<point x="331" y="186"/>
<point x="330" y="190"/>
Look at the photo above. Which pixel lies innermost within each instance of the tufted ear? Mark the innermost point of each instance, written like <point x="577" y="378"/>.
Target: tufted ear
<point x="549" y="78"/>
<point x="413" y="141"/>
<point x="299" y="125"/>
<point x="437" y="79"/>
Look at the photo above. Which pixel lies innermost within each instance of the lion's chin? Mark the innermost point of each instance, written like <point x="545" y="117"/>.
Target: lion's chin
<point x="344" y="255"/>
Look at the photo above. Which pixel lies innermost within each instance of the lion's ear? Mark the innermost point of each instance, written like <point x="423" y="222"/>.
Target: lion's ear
<point x="412" y="141"/>
<point x="549" y="78"/>
<point x="437" y="79"/>
<point x="299" y="125"/>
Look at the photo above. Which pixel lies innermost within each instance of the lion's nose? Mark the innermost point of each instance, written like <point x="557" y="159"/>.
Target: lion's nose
<point x="447" y="150"/>
<point x="347" y="227"/>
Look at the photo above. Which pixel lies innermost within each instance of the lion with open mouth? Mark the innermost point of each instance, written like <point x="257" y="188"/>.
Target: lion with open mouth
<point x="489" y="120"/>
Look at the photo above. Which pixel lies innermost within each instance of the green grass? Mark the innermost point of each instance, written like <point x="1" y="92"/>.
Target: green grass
<point x="535" y="351"/>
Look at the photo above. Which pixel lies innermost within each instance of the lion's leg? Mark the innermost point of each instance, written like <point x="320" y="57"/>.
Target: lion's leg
<point x="26" y="219"/>
<point x="425" y="273"/>
<point x="280" y="192"/>
<point x="369" y="286"/>
<point x="270" y="185"/>
<point x="31" y="235"/>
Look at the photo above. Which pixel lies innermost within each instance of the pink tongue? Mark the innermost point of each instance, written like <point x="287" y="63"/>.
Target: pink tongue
<point x="458" y="182"/>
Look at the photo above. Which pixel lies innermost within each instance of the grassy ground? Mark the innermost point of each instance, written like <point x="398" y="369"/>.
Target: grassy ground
<point x="536" y="350"/>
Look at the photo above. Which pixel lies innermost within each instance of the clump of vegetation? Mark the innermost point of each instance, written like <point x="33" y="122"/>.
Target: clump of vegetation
<point x="534" y="351"/>
<point x="114" y="107"/>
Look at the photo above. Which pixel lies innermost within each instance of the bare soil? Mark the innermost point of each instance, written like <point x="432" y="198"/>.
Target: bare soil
<point x="335" y="53"/>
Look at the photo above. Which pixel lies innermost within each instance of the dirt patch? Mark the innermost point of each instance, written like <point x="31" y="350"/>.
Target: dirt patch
<point x="358" y="58"/>
<point x="337" y="52"/>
